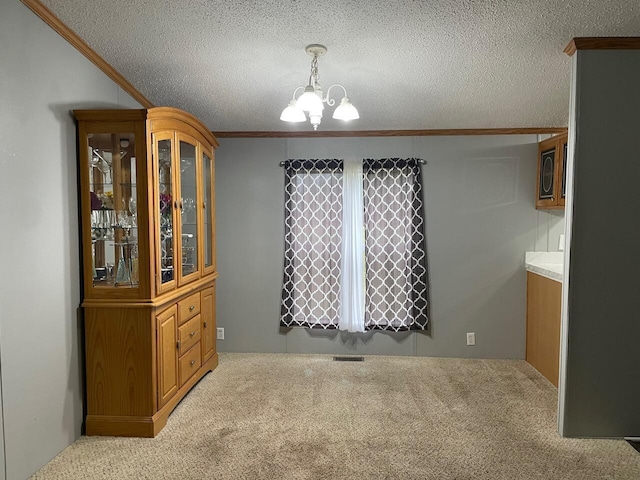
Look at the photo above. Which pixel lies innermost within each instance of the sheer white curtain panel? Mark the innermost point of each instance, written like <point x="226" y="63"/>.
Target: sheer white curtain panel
<point x="353" y="273"/>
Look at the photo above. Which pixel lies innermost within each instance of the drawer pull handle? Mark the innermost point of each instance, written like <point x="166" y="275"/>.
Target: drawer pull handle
<point x="204" y="324"/>
<point x="191" y="308"/>
<point x="192" y="363"/>
<point x="192" y="334"/>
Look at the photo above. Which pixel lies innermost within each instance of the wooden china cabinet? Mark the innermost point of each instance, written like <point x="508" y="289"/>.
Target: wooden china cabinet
<point x="149" y="268"/>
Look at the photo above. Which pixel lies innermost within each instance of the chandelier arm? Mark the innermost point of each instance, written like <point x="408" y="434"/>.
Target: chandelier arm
<point x="296" y="91"/>
<point x="331" y="102"/>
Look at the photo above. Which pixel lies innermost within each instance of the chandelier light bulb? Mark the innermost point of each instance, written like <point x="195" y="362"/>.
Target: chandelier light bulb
<point x="346" y="111"/>
<point x="309" y="100"/>
<point x="292" y="113"/>
<point x="313" y="98"/>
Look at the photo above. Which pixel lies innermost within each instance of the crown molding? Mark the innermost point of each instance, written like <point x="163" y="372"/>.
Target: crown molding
<point x="70" y="36"/>
<point x="602" y="43"/>
<point x="394" y="133"/>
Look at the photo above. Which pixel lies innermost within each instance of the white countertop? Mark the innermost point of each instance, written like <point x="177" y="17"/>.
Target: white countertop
<point x="547" y="264"/>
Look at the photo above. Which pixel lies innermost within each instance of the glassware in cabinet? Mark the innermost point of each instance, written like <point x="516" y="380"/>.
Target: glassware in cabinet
<point x="165" y="210"/>
<point x="113" y="205"/>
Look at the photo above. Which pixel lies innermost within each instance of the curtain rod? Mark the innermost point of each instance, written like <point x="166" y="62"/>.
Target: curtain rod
<point x="420" y="161"/>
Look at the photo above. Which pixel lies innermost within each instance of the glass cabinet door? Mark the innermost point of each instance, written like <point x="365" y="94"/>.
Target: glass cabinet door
<point x="188" y="212"/>
<point x="165" y="221"/>
<point x="114" y="201"/>
<point x="546" y="186"/>
<point x="207" y="205"/>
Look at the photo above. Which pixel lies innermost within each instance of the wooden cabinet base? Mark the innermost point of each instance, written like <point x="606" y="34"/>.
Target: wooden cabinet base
<point x="544" y="299"/>
<point x="145" y="426"/>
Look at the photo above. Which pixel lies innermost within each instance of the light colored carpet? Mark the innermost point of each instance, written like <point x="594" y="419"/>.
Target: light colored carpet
<point x="260" y="416"/>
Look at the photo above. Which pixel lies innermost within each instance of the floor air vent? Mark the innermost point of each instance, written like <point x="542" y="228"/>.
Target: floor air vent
<point x="348" y="359"/>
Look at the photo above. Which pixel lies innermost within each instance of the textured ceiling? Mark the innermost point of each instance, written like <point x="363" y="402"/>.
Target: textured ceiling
<point x="405" y="64"/>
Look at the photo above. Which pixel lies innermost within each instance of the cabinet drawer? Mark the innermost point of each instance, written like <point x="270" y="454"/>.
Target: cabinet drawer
<point x="189" y="364"/>
<point x="188" y="308"/>
<point x="189" y="334"/>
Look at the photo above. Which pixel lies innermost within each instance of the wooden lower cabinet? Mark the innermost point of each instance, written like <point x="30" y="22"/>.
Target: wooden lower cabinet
<point x="544" y="300"/>
<point x="189" y="364"/>
<point x="208" y="322"/>
<point x="142" y="359"/>
<point x="167" y="324"/>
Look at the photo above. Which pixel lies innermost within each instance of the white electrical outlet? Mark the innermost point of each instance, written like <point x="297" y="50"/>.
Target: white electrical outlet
<point x="220" y="332"/>
<point x="471" y="338"/>
<point x="561" y="243"/>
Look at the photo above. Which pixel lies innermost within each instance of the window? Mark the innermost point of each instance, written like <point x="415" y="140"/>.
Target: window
<point x="395" y="275"/>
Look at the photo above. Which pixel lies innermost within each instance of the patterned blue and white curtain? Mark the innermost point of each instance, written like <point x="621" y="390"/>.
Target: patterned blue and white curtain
<point x="319" y="272"/>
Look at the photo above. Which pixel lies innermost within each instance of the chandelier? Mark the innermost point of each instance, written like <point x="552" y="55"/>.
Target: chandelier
<point x="312" y="99"/>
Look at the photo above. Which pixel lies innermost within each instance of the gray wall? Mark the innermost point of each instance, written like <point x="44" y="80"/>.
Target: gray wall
<point x="600" y="379"/>
<point x="550" y="225"/>
<point x="480" y="215"/>
<point x="42" y="78"/>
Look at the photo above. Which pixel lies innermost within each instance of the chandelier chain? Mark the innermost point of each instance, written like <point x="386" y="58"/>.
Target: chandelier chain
<point x="314" y="71"/>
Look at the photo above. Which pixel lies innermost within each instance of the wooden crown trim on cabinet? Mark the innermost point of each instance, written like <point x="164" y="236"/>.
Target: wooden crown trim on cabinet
<point x="106" y="115"/>
<point x="181" y="115"/>
<point x="70" y="36"/>
<point x="602" y="43"/>
<point x="395" y="133"/>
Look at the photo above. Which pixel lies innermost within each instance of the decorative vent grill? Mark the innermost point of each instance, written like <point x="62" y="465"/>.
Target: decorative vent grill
<point x="348" y="359"/>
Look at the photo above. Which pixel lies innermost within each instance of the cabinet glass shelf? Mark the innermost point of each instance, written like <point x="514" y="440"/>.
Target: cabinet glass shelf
<point x="109" y="184"/>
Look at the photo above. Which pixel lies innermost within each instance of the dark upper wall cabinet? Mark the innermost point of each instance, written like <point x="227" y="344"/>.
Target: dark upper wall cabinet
<point x="551" y="178"/>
